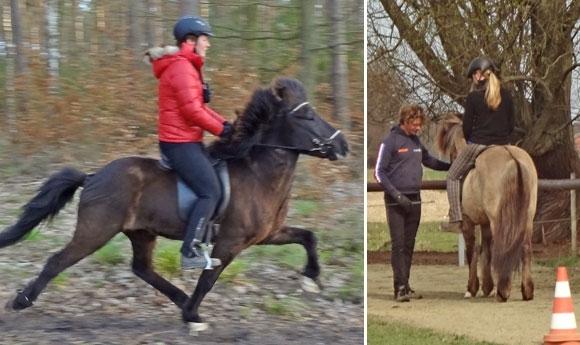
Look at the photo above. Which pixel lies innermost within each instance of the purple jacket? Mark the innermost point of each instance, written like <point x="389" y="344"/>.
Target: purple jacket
<point x="398" y="169"/>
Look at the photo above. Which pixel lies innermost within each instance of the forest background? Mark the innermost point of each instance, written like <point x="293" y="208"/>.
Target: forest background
<point x="75" y="88"/>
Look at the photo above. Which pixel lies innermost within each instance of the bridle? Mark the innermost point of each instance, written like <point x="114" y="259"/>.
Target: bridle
<point x="322" y="145"/>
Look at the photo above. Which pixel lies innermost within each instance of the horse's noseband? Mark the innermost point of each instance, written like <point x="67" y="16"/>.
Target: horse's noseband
<point x="323" y="145"/>
<point x="320" y="145"/>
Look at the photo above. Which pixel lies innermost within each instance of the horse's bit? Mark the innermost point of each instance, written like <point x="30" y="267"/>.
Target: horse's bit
<point x="323" y="145"/>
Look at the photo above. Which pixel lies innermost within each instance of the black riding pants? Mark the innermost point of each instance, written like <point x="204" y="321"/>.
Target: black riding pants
<point x="191" y="162"/>
<point x="403" y="228"/>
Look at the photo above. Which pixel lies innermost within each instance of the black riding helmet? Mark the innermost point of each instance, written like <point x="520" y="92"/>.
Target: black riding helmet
<point x="482" y="63"/>
<point x="190" y="25"/>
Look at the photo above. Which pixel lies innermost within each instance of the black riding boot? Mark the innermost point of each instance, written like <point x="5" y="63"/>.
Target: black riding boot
<point x="194" y="253"/>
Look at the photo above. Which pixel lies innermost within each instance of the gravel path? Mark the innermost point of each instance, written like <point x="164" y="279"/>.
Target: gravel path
<point x="104" y="304"/>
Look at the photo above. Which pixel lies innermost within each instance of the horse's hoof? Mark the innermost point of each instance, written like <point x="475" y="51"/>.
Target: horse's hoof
<point x="467" y="295"/>
<point x="309" y="285"/>
<point x="195" y="327"/>
<point x="18" y="302"/>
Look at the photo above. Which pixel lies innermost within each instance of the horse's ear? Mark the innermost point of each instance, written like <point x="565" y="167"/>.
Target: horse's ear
<point x="278" y="89"/>
<point x="238" y="112"/>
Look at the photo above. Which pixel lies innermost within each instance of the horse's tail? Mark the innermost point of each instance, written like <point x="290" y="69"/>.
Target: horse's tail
<point x="510" y="229"/>
<point x="52" y="197"/>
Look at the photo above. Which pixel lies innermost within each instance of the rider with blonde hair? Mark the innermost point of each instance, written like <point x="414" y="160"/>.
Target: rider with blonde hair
<point x="488" y="120"/>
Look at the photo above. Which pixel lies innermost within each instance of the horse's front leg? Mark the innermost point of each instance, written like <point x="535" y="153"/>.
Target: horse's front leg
<point x="189" y="311"/>
<point x="471" y="254"/>
<point x="226" y="253"/>
<point x="308" y="240"/>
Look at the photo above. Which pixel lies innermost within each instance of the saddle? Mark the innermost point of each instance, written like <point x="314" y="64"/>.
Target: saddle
<point x="186" y="197"/>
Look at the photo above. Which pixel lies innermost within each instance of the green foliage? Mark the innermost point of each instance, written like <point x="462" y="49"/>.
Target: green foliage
<point x="61" y="280"/>
<point x="353" y="290"/>
<point x="377" y="236"/>
<point x="428" y="175"/>
<point x="234" y="269"/>
<point x="35" y="236"/>
<point x="166" y="257"/>
<point x="245" y="312"/>
<point x="352" y="220"/>
<point x="429" y="238"/>
<point x="286" y="307"/>
<point x="434" y="175"/>
<point x="569" y="261"/>
<point x="112" y="252"/>
<point x="14" y="271"/>
<point x="290" y="255"/>
<point x="380" y="332"/>
<point x="306" y="207"/>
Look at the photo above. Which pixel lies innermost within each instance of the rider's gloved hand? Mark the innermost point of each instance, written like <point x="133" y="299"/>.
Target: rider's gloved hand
<point x="227" y="131"/>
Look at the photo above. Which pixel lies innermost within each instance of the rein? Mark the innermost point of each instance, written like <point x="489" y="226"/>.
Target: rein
<point x="322" y="145"/>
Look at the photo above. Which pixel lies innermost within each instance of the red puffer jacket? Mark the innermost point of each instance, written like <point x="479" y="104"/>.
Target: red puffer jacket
<point x="183" y="116"/>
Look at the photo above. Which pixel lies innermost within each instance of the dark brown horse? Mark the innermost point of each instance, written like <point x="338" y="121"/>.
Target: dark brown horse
<point x="500" y="195"/>
<point x="137" y="197"/>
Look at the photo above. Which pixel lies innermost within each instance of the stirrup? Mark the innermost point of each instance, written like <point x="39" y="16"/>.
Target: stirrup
<point x="205" y="250"/>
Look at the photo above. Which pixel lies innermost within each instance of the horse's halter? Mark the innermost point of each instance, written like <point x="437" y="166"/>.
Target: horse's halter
<point x="322" y="145"/>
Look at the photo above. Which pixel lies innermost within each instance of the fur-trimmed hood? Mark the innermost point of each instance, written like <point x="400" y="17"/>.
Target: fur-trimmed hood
<point x="159" y="52"/>
<point x="162" y="57"/>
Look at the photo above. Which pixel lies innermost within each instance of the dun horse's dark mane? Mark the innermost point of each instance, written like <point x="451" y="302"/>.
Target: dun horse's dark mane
<point x="248" y="127"/>
<point x="449" y="139"/>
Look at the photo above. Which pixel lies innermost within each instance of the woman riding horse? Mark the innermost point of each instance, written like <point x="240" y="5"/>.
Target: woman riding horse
<point x="489" y="120"/>
<point x="135" y="196"/>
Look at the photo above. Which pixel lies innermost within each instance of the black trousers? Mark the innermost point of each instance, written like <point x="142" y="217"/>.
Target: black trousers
<point x="191" y="162"/>
<point x="403" y="228"/>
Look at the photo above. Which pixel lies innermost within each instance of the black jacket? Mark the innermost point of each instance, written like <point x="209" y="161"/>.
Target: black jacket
<point x="398" y="168"/>
<point x="482" y="125"/>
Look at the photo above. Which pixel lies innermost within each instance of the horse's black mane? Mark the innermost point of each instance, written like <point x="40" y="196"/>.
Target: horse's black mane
<point x="249" y="126"/>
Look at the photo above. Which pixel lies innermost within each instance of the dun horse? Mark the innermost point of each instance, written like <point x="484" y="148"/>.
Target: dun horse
<point x="500" y="195"/>
<point x="138" y="197"/>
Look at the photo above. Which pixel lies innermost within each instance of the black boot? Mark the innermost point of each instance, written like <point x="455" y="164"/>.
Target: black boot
<point x="196" y="253"/>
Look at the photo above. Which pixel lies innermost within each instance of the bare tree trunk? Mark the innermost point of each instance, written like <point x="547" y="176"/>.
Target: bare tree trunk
<point x="250" y="38"/>
<point x="10" y="71"/>
<point x="79" y="27"/>
<point x="339" y="73"/>
<point x="150" y="40"/>
<point x="17" y="37"/>
<point x="133" y="33"/>
<point x="158" y="23"/>
<point x="52" y="44"/>
<point x="548" y="141"/>
<point x="66" y="29"/>
<point x="190" y="7"/>
<point x="2" y="33"/>
<point x="307" y="75"/>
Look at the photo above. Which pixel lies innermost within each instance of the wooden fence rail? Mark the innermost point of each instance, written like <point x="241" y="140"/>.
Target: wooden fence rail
<point x="542" y="185"/>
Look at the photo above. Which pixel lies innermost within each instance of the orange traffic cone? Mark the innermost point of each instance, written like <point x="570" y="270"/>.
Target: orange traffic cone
<point x="563" y="327"/>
